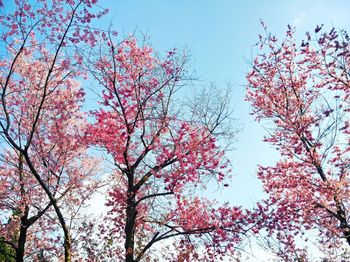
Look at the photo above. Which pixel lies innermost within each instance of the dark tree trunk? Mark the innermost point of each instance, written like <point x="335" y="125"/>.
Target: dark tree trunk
<point x="131" y="213"/>
<point x="22" y="237"/>
<point x="67" y="247"/>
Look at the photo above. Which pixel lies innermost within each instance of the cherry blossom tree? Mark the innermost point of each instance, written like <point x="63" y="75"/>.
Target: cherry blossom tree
<point x="44" y="161"/>
<point x="161" y="154"/>
<point x="301" y="92"/>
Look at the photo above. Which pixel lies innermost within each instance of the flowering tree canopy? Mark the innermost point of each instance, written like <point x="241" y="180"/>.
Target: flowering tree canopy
<point x="301" y="91"/>
<point x="44" y="162"/>
<point x="160" y="157"/>
<point x="161" y="154"/>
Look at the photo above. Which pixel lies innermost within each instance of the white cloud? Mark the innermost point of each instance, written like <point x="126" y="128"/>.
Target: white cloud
<point x="299" y="18"/>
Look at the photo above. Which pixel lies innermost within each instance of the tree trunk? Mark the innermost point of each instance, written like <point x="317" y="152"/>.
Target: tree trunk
<point x="131" y="213"/>
<point x="67" y="248"/>
<point x="347" y="235"/>
<point x="22" y="239"/>
<point x="341" y="216"/>
<point x="67" y="239"/>
<point x="53" y="201"/>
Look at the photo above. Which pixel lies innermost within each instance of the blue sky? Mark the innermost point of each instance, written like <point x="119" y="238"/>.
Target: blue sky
<point x="220" y="37"/>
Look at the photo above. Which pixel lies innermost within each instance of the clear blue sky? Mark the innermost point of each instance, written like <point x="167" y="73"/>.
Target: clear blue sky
<point x="220" y="36"/>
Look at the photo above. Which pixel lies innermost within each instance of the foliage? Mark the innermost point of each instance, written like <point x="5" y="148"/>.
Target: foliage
<point x="301" y="91"/>
<point x="160" y="158"/>
<point x="46" y="173"/>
